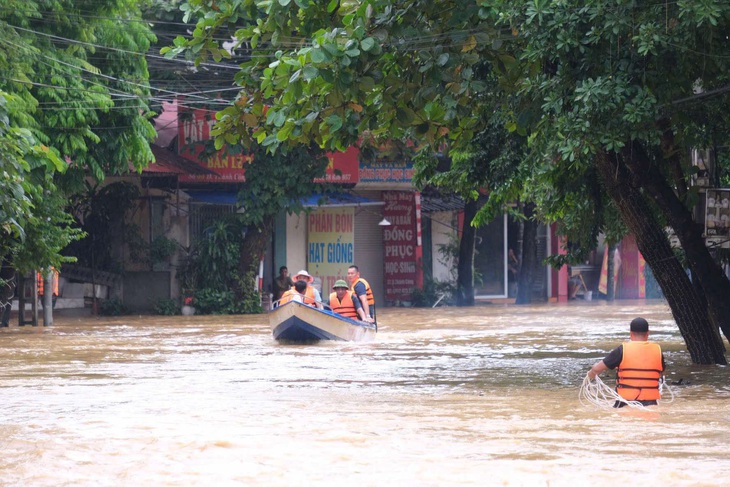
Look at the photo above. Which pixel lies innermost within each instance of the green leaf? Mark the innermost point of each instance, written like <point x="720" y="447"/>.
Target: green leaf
<point x="335" y="122"/>
<point x="405" y="115"/>
<point x="318" y="55"/>
<point x="367" y="44"/>
<point x="310" y="72"/>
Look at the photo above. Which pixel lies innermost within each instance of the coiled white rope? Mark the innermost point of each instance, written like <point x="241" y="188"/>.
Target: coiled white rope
<point x="596" y="393"/>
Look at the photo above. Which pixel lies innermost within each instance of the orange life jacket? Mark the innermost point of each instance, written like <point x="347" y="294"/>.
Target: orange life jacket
<point x="346" y="307"/>
<point x="42" y="284"/>
<point x="307" y="297"/>
<point x="368" y="291"/>
<point x="639" y="371"/>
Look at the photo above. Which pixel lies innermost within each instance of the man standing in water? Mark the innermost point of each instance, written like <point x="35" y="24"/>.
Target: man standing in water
<point x="640" y="366"/>
<point x="361" y="289"/>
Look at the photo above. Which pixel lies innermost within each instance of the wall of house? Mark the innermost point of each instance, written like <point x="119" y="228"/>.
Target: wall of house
<point x="176" y="226"/>
<point x="443" y="231"/>
<point x="296" y="243"/>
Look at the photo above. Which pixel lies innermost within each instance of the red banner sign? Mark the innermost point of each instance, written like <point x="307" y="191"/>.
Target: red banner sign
<point x="342" y="167"/>
<point x="193" y="133"/>
<point x="401" y="250"/>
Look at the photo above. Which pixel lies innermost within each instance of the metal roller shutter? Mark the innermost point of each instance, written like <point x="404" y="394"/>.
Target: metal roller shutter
<point x="369" y="246"/>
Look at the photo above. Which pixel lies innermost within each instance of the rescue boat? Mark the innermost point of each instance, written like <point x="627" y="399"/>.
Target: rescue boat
<point x="295" y="322"/>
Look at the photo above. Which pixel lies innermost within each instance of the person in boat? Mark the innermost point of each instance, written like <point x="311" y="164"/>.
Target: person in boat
<point x="640" y="366"/>
<point x="312" y="293"/>
<point x="298" y="293"/>
<point x="361" y="289"/>
<point x="343" y="302"/>
<point x="282" y="283"/>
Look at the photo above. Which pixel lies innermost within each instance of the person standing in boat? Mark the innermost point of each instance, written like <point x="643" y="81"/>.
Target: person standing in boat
<point x="312" y="293"/>
<point x="361" y="289"/>
<point x="343" y="302"/>
<point x="640" y="366"/>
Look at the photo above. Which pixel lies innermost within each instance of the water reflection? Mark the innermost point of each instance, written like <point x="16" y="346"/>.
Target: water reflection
<point x="449" y="396"/>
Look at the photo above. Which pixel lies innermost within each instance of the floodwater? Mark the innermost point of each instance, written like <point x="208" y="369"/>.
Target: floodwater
<point x="446" y="396"/>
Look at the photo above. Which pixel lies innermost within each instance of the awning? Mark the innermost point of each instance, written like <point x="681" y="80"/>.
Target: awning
<point x="311" y="201"/>
<point x="337" y="200"/>
<point x="433" y="201"/>
<point x="214" y="197"/>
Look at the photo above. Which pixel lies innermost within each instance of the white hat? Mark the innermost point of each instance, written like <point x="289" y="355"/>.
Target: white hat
<point x="305" y="274"/>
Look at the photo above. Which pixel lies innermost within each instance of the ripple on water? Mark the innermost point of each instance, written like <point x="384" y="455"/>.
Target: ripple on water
<point x="441" y="397"/>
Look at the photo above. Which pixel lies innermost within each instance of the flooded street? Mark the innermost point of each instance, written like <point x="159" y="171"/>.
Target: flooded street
<point x="480" y="396"/>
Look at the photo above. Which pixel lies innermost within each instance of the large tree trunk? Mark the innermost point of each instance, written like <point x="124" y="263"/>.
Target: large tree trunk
<point x="529" y="256"/>
<point x="712" y="280"/>
<point x="465" y="269"/>
<point x="689" y="310"/>
<point x="253" y="248"/>
<point x="611" y="273"/>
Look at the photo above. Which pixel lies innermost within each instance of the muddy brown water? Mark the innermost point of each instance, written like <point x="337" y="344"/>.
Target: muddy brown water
<point x="446" y="396"/>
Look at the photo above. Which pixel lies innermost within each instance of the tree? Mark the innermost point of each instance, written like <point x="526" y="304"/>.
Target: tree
<point x="599" y="85"/>
<point x="487" y="166"/>
<point x="33" y="227"/>
<point x="78" y="81"/>
<point x="617" y="96"/>
<point x="274" y="183"/>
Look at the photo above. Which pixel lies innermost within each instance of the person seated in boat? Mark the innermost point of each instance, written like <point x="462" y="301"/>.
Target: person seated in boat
<point x="311" y="292"/>
<point x="343" y="302"/>
<point x="298" y="293"/>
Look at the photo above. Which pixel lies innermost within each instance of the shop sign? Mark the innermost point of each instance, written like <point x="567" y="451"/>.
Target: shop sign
<point x="386" y="172"/>
<point x="400" y="242"/>
<point x="342" y="167"/>
<point x="227" y="164"/>
<point x="331" y="244"/>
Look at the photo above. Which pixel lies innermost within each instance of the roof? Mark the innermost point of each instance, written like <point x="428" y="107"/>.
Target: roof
<point x="167" y="162"/>
<point x="433" y="201"/>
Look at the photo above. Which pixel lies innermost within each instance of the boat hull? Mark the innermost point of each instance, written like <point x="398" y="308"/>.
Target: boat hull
<point x="298" y="323"/>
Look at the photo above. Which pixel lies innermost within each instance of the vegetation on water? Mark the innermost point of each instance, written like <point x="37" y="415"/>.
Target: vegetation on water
<point x="433" y="292"/>
<point x="167" y="307"/>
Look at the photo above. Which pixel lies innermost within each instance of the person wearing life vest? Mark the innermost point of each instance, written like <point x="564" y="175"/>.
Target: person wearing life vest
<point x="41" y="286"/>
<point x="313" y="298"/>
<point x="640" y="366"/>
<point x="297" y="293"/>
<point x="343" y="302"/>
<point x="361" y="289"/>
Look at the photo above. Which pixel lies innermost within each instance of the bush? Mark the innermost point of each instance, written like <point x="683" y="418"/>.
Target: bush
<point x="167" y="307"/>
<point x="215" y="302"/>
<point x="161" y="249"/>
<point x="112" y="307"/>
<point x="431" y="292"/>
